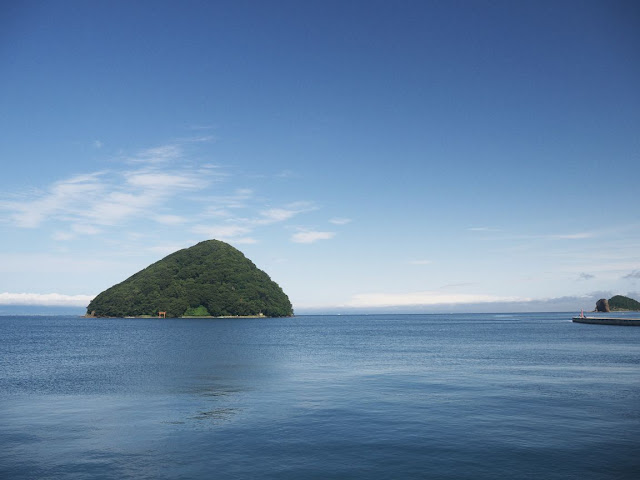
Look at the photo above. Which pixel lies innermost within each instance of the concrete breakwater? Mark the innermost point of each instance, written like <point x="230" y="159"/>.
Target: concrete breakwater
<point x="626" y="322"/>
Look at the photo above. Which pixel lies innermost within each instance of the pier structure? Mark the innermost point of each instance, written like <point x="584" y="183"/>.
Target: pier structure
<point x="624" y="322"/>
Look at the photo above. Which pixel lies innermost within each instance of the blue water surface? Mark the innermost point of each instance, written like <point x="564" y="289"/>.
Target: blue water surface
<point x="478" y="396"/>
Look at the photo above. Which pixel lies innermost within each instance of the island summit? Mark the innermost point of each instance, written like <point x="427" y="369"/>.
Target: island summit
<point x="211" y="278"/>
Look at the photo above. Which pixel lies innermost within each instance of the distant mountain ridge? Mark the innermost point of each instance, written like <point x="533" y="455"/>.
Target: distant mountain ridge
<point x="211" y="278"/>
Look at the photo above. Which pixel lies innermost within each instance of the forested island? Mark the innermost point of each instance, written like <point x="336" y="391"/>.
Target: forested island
<point x="621" y="303"/>
<point x="617" y="303"/>
<point x="211" y="278"/>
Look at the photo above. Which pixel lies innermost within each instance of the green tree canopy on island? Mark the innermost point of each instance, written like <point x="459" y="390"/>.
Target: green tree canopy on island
<point x="620" y="302"/>
<point x="211" y="277"/>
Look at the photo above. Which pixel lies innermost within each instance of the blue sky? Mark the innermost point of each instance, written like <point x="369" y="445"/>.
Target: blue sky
<point x="408" y="156"/>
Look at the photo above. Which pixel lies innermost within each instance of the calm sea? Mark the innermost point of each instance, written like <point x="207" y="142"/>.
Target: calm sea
<point x="479" y="396"/>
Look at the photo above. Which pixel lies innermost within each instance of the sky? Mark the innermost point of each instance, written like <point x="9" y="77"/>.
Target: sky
<point x="370" y="156"/>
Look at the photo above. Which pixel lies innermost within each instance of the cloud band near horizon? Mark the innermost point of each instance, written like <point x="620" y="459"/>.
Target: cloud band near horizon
<point x="45" y="299"/>
<point x="373" y="300"/>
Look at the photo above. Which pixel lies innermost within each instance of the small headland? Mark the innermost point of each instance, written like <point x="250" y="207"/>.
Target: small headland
<point x="617" y="303"/>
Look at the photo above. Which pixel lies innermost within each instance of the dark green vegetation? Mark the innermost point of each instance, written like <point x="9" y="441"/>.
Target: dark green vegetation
<point x="620" y="302"/>
<point x="200" y="311"/>
<point x="210" y="278"/>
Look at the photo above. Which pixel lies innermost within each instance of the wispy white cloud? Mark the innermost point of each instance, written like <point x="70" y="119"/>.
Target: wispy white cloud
<point x="76" y="229"/>
<point x="62" y="236"/>
<point x="63" y="197"/>
<point x="84" y="229"/>
<point x="220" y="205"/>
<point x="222" y="232"/>
<point x="243" y="241"/>
<point x="286" y="174"/>
<point x="633" y="275"/>
<point x="203" y="127"/>
<point x="236" y="227"/>
<point x="275" y="215"/>
<point x="153" y="180"/>
<point x="200" y="139"/>
<point x="420" y="262"/>
<point x="424" y="298"/>
<point x="157" y="155"/>
<point x="54" y="263"/>
<point x="115" y="208"/>
<point x="456" y="285"/>
<point x="480" y="229"/>
<point x="311" y="236"/>
<point x="572" y="236"/>
<point x="501" y="235"/>
<point x="283" y="174"/>
<point x="340" y="221"/>
<point x="109" y="197"/>
<point x="217" y="212"/>
<point x="163" y="184"/>
<point x="170" y="219"/>
<point x="46" y="299"/>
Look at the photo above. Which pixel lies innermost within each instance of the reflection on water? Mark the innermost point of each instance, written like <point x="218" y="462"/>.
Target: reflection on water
<point x="218" y="396"/>
<point x="213" y="386"/>
<point x="217" y="414"/>
<point x="375" y="397"/>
